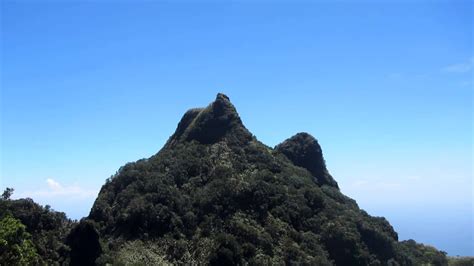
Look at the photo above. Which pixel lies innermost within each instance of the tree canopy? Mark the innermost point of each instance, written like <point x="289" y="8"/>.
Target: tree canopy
<point x="16" y="247"/>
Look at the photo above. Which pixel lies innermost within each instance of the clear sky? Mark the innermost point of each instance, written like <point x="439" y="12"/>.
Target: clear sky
<point x="385" y="88"/>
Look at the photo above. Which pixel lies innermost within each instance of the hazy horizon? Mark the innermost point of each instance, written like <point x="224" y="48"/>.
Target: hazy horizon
<point x="385" y="88"/>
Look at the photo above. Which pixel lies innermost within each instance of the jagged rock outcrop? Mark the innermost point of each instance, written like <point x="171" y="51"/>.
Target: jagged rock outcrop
<point x="303" y="150"/>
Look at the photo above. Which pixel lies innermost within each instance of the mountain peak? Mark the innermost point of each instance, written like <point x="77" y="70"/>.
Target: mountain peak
<point x="222" y="96"/>
<point x="217" y="196"/>
<point x="222" y="107"/>
<point x="218" y="121"/>
<point x="304" y="151"/>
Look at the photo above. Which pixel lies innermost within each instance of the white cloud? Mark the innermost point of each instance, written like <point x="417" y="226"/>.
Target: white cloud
<point x="460" y="67"/>
<point x="53" y="184"/>
<point x="375" y="185"/>
<point x="55" y="189"/>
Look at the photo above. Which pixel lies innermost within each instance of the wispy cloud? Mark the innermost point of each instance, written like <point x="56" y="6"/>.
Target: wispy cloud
<point x="55" y="189"/>
<point x="375" y="185"/>
<point x="53" y="184"/>
<point x="463" y="67"/>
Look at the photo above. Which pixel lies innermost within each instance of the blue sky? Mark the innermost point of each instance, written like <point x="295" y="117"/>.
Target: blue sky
<point x="386" y="89"/>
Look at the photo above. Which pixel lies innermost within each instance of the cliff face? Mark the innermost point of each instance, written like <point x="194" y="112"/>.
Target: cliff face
<point x="216" y="195"/>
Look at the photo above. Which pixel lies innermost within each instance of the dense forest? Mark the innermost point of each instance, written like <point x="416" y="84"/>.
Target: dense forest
<point x="31" y="234"/>
<point x="213" y="195"/>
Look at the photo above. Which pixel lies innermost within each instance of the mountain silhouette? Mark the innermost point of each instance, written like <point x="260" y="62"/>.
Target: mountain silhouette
<point x="216" y="195"/>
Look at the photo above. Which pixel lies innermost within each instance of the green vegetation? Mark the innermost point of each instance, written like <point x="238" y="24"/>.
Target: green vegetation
<point x="460" y="261"/>
<point x="39" y="232"/>
<point x="422" y="254"/>
<point x="7" y="193"/>
<point x="16" y="247"/>
<point x="215" y="195"/>
<point x="303" y="150"/>
<point x="84" y="243"/>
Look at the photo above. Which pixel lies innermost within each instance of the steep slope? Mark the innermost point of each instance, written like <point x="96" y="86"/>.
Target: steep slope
<point x="215" y="194"/>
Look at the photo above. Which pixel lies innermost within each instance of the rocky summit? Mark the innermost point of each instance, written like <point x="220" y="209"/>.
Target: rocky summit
<point x="216" y="195"/>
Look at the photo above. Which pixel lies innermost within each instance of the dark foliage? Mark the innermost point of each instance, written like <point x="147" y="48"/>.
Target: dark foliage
<point x="214" y="194"/>
<point x="16" y="247"/>
<point x="461" y="261"/>
<point x="304" y="150"/>
<point x="419" y="254"/>
<point x="84" y="243"/>
<point x="7" y="193"/>
<point x="48" y="228"/>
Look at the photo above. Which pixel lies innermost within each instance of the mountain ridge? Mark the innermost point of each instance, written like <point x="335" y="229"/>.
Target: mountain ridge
<point x="216" y="195"/>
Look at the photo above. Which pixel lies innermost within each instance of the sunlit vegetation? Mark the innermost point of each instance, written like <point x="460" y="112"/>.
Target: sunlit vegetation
<point x="15" y="243"/>
<point x="460" y="261"/>
<point x="215" y="195"/>
<point x="32" y="232"/>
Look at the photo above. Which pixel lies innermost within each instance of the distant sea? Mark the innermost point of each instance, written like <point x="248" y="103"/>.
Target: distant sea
<point x="448" y="229"/>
